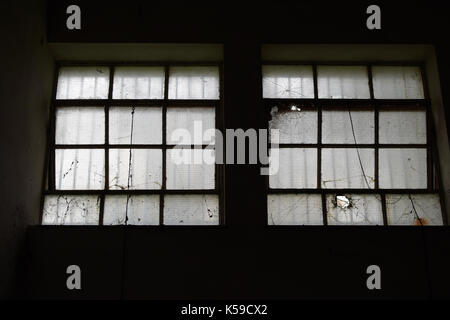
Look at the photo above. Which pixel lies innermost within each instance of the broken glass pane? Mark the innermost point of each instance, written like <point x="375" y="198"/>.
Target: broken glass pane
<point x="80" y="125"/>
<point x="83" y="83"/>
<point x="190" y="169"/>
<point x="354" y="209"/>
<point x="147" y="125"/>
<point x="343" y="82"/>
<point x="288" y="82"/>
<point x="403" y="168"/>
<point x="403" y="127"/>
<point x="71" y="210"/>
<point x="195" y="120"/>
<point x="400" y="209"/>
<point x="397" y="82"/>
<point x="341" y="168"/>
<point x="79" y="169"/>
<point x="194" y="83"/>
<point x="337" y="126"/>
<point x="142" y="210"/>
<point x="294" y="209"/>
<point x="138" y="83"/>
<point x="297" y="169"/>
<point x="191" y="210"/>
<point x="295" y="126"/>
<point x="145" y="171"/>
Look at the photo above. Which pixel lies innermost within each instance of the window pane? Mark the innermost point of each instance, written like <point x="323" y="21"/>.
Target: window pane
<point x="341" y="168"/>
<point x="191" y="210"/>
<point x="194" y="83"/>
<point x="147" y="125"/>
<point x="403" y="168"/>
<point x="195" y="120"/>
<point x="337" y="127"/>
<point x="354" y="209"/>
<point x="403" y="127"/>
<point x="80" y="125"/>
<point x="83" y="83"/>
<point x="397" y="82"/>
<point x="347" y="82"/>
<point x="79" y="169"/>
<point x="288" y="82"/>
<point x="71" y="210"/>
<point x="299" y="126"/>
<point x="142" y="210"/>
<point x="400" y="209"/>
<point x="297" y="168"/>
<point x="145" y="171"/>
<point x="190" y="169"/>
<point x="294" y="209"/>
<point x="138" y="83"/>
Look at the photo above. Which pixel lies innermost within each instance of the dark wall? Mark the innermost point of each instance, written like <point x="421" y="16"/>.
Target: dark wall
<point x="245" y="259"/>
<point x="239" y="262"/>
<point x="25" y="91"/>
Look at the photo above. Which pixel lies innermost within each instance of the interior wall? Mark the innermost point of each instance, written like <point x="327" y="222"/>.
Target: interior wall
<point x="440" y="131"/>
<point x="25" y="91"/>
<point x="66" y="51"/>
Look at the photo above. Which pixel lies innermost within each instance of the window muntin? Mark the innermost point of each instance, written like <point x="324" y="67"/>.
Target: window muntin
<point x="111" y="145"/>
<point x="369" y="127"/>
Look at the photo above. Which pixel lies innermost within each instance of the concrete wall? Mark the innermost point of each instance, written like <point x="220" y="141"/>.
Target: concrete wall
<point x="27" y="72"/>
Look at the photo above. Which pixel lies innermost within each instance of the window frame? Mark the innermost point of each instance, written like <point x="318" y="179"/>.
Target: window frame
<point x="434" y="179"/>
<point x="165" y="103"/>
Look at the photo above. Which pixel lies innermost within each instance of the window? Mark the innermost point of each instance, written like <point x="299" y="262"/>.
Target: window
<point x="112" y="146"/>
<point x="353" y="145"/>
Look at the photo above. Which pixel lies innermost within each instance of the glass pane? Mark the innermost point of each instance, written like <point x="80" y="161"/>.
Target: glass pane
<point x="80" y="125"/>
<point x="294" y="209"/>
<point x="343" y="82"/>
<point x="337" y="127"/>
<point x="142" y="210"/>
<point x="400" y="209"/>
<point x="83" y="83"/>
<point x="297" y="168"/>
<point x="196" y="121"/>
<point x="79" y="169"/>
<point x="190" y="169"/>
<point x="138" y="83"/>
<point x="403" y="168"/>
<point x="147" y="125"/>
<point x="71" y="210"/>
<point x="295" y="126"/>
<point x="194" y="83"/>
<point x="396" y="82"/>
<point x="354" y="209"/>
<point x="145" y="171"/>
<point x="341" y="168"/>
<point x="403" y="127"/>
<point x="191" y="210"/>
<point x="288" y="82"/>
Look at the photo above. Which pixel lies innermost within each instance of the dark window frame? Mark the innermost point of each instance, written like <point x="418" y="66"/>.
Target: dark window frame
<point x="165" y="103"/>
<point x="434" y="180"/>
